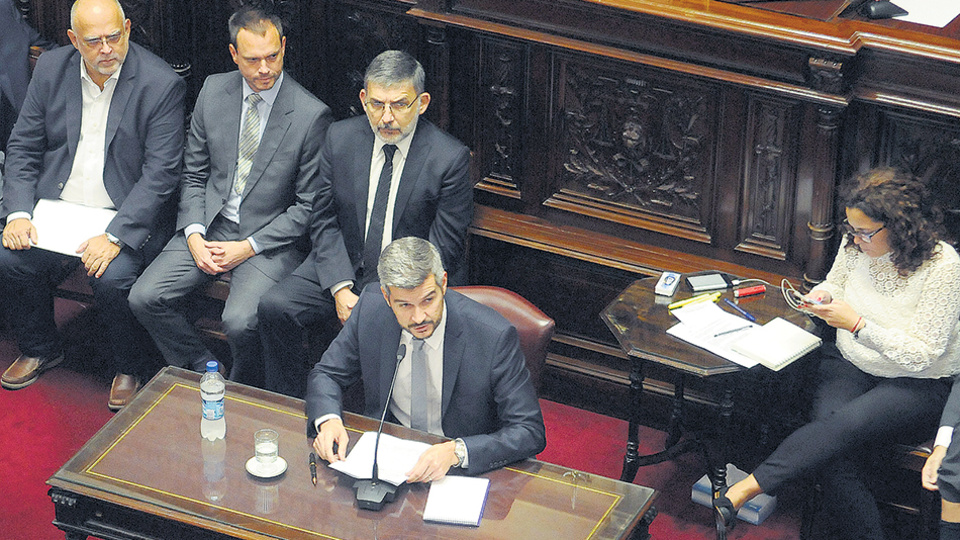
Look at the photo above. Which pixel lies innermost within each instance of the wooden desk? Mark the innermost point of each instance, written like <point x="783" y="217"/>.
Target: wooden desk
<point x="148" y="474"/>
<point x="639" y="320"/>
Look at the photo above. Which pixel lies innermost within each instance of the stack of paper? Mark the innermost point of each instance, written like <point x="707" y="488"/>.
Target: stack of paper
<point x="707" y="326"/>
<point x="395" y="458"/>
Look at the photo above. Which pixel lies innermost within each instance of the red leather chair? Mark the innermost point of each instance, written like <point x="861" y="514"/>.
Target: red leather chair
<point x="534" y="326"/>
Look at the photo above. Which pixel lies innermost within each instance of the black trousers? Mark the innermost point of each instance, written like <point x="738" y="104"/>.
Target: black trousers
<point x="853" y="414"/>
<point x="288" y="313"/>
<point x="27" y="282"/>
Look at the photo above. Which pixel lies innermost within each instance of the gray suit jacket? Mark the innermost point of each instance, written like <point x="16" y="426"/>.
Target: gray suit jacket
<point x="434" y="200"/>
<point x="143" y="148"/>
<point x="951" y="412"/>
<point x="488" y="397"/>
<point x="279" y="192"/>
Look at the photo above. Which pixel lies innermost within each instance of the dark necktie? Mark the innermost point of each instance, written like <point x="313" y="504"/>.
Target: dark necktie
<point x="372" y="244"/>
<point x="418" y="387"/>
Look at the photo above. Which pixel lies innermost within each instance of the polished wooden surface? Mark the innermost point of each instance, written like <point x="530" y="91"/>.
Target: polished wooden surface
<point x="639" y="319"/>
<point x="615" y="139"/>
<point x="151" y="460"/>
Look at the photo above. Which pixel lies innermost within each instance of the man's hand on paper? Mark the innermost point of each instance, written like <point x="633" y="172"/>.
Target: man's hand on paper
<point x="331" y="431"/>
<point x="19" y="233"/>
<point x="929" y="474"/>
<point x="434" y="463"/>
<point x="229" y="255"/>
<point x="200" y="250"/>
<point x="345" y="300"/>
<point x="97" y="253"/>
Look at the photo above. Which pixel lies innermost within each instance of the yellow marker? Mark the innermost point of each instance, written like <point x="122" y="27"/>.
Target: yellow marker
<point x="713" y="297"/>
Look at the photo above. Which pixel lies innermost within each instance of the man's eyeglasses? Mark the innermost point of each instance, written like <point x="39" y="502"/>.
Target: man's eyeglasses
<point x="864" y="236"/>
<point x="396" y="107"/>
<point x="97" y="42"/>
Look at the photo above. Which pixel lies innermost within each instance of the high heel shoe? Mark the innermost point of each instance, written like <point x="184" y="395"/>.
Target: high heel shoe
<point x="725" y="513"/>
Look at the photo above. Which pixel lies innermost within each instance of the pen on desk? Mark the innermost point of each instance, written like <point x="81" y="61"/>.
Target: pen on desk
<point x="694" y="299"/>
<point x="740" y="310"/>
<point x="313" y="468"/>
<point x="732" y="331"/>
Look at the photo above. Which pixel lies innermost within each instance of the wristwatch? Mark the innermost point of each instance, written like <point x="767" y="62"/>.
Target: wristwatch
<point x="459" y="450"/>
<point x="113" y="239"/>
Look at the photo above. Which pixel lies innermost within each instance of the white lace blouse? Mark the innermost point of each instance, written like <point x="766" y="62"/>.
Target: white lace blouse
<point x="913" y="322"/>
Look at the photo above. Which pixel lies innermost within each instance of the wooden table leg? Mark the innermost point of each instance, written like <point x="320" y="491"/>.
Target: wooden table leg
<point x="717" y="458"/>
<point x="631" y="461"/>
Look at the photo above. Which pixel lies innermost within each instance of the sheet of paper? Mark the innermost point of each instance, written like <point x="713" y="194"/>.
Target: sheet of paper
<point x="937" y="13"/>
<point x="395" y="458"/>
<point x="456" y="499"/>
<point x="62" y="226"/>
<point x="707" y="326"/>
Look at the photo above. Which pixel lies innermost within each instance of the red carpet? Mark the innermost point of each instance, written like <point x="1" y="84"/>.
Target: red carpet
<point x="47" y="422"/>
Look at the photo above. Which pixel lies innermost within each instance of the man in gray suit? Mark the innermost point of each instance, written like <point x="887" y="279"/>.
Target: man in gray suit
<point x="101" y="125"/>
<point x="385" y="175"/>
<point x="250" y="171"/>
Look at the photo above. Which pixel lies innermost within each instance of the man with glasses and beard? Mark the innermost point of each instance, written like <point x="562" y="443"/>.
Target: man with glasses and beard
<point x="387" y="175"/>
<point x="101" y="126"/>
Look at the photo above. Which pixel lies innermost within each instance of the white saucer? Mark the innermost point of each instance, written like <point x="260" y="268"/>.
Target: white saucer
<point x="269" y="470"/>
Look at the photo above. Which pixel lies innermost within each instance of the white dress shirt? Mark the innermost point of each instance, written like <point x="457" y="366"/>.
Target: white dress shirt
<point x="85" y="184"/>
<point x="400" y="404"/>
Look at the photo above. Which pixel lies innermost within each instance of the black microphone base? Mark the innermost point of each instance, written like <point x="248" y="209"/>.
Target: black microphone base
<point x="373" y="494"/>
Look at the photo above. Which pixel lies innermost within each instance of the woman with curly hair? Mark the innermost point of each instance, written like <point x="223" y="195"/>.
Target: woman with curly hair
<point x="893" y="295"/>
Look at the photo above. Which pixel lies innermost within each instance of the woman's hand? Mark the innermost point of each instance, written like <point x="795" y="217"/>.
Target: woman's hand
<point x="837" y="314"/>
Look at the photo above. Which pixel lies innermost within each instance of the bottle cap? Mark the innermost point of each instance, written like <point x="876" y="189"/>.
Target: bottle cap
<point x="211" y="366"/>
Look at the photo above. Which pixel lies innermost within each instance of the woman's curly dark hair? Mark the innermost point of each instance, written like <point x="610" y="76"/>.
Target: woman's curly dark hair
<point x="902" y="203"/>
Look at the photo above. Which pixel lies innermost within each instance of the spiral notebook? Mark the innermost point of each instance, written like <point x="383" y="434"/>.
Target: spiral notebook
<point x="776" y="344"/>
<point x="458" y="500"/>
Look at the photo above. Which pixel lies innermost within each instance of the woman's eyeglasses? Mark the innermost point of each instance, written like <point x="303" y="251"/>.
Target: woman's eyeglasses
<point x="864" y="236"/>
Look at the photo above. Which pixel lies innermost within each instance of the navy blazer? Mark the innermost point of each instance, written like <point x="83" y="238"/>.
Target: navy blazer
<point x="488" y="397"/>
<point x="18" y="37"/>
<point x="278" y="195"/>
<point x="434" y="198"/>
<point x="144" y="139"/>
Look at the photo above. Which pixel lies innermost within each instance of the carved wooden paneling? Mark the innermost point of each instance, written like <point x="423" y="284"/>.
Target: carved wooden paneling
<point x="930" y="148"/>
<point x="501" y="94"/>
<point x="357" y="32"/>
<point x="635" y="146"/>
<point x="770" y="171"/>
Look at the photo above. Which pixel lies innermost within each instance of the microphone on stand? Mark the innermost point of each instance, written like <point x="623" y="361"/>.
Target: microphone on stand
<point x="373" y="494"/>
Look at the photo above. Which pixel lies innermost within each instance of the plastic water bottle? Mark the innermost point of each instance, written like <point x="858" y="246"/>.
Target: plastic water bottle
<point x="212" y="424"/>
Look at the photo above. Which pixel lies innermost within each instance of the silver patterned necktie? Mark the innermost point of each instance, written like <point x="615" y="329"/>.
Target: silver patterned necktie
<point x="249" y="141"/>
<point x="418" y="387"/>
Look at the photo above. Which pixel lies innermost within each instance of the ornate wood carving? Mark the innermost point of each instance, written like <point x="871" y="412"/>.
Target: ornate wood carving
<point x="635" y="148"/>
<point x="501" y="94"/>
<point x="769" y="185"/>
<point x="826" y="75"/>
<point x="821" y="225"/>
<point x="929" y="148"/>
<point x="357" y="33"/>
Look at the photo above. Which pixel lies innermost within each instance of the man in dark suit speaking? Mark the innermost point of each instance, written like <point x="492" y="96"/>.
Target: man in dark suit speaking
<point x="250" y="174"/>
<point x="101" y="126"/>
<point x="385" y="175"/>
<point x="463" y="375"/>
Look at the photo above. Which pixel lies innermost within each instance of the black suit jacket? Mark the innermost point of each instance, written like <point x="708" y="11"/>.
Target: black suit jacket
<point x="144" y="140"/>
<point x="488" y="397"/>
<point x="434" y="198"/>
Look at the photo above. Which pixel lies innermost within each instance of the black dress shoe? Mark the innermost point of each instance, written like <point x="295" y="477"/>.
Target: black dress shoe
<point x="724" y="511"/>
